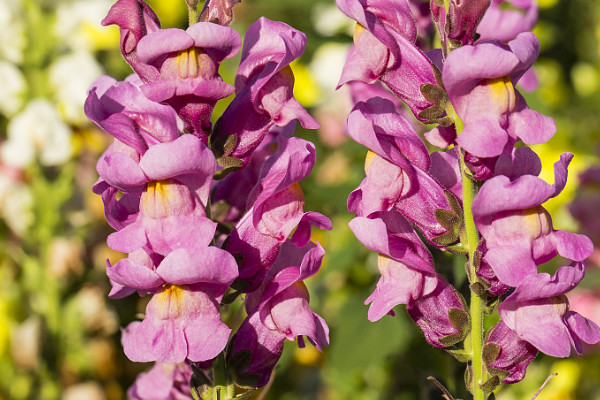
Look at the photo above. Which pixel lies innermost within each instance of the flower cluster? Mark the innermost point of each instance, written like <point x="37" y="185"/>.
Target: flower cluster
<point x="206" y="212"/>
<point x="481" y="196"/>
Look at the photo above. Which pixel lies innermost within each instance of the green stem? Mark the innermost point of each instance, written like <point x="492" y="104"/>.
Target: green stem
<point x="192" y="13"/>
<point x="476" y="308"/>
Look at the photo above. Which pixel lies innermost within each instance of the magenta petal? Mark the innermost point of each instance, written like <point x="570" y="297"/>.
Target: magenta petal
<point x="120" y="171"/>
<point x="529" y="125"/>
<point x="583" y="329"/>
<point x="500" y="194"/>
<point x="206" y="337"/>
<point x="573" y="246"/>
<point x="218" y="38"/>
<point x="128" y="239"/>
<point x="162" y="42"/>
<point x="483" y="138"/>
<point x="208" y="265"/>
<point x="185" y="155"/>
<point x="152" y="340"/>
<point x="513" y="263"/>
<point x="133" y="275"/>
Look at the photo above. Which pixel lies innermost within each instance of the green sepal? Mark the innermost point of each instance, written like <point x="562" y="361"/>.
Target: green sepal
<point x="460" y="355"/>
<point x="469" y="378"/>
<point x="478" y="288"/>
<point x="490" y="353"/>
<point x="490" y="384"/>
<point x="459" y="319"/>
<point x="448" y="219"/>
<point x="445" y="239"/>
<point x="451" y="340"/>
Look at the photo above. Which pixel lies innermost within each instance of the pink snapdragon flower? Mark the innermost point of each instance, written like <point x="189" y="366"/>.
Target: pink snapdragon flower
<point x="135" y="20"/>
<point x="173" y="181"/>
<point x="506" y="355"/>
<point x="384" y="49"/>
<point x="538" y="311"/>
<point x="277" y="311"/>
<point x="188" y="62"/>
<point x="182" y="319"/>
<point x="408" y="277"/>
<point x="518" y="231"/>
<point x="275" y="208"/>
<point x="480" y="83"/>
<point x="264" y="89"/>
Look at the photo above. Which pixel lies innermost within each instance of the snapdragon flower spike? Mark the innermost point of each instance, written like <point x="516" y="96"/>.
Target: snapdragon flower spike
<point x="538" y="311"/>
<point x="277" y="311"/>
<point x="162" y="382"/>
<point x="264" y="90"/>
<point x="174" y="181"/>
<point x="182" y="319"/>
<point x="135" y="20"/>
<point x="480" y="83"/>
<point x="188" y="62"/>
<point x="384" y="48"/>
<point x="518" y="230"/>
<point x="506" y="355"/>
<point x="459" y="24"/>
<point x="122" y="110"/>
<point x="275" y="207"/>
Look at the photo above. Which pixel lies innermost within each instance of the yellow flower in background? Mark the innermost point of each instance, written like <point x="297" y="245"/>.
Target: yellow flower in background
<point x="306" y="90"/>
<point x="5" y="324"/>
<point x="171" y="13"/>
<point x="563" y="385"/>
<point x="550" y="153"/>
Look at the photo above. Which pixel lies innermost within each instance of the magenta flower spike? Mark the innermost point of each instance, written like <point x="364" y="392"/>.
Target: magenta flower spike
<point x="506" y="355"/>
<point x="174" y="180"/>
<point x="480" y="83"/>
<point x="264" y="89"/>
<point x="278" y="310"/>
<point x="182" y="319"/>
<point x="135" y="20"/>
<point x="275" y="207"/>
<point x="538" y="311"/>
<point x="518" y="230"/>
<point x="188" y="62"/>
<point x="384" y="49"/>
<point x="163" y="382"/>
<point x="122" y="110"/>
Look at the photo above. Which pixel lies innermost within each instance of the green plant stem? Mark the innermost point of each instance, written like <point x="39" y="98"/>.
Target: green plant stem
<point x="476" y="307"/>
<point x="192" y="14"/>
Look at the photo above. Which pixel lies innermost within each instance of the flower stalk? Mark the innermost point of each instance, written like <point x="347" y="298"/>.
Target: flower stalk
<point x="471" y="237"/>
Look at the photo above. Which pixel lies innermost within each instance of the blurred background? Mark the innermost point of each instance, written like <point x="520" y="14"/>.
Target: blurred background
<point x="59" y="332"/>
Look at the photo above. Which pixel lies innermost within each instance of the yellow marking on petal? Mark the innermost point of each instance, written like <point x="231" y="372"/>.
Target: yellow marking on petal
<point x="537" y="220"/>
<point x="182" y="61"/>
<point x="503" y="92"/>
<point x="358" y="30"/>
<point x="169" y="302"/>
<point x="369" y="160"/>
<point x="166" y="197"/>
<point x="193" y="61"/>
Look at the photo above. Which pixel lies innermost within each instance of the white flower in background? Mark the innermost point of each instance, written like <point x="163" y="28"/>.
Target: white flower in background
<point x="71" y="76"/>
<point x="12" y="88"/>
<point x="328" y="20"/>
<point x="16" y="204"/>
<point x="38" y="129"/>
<point x="78" y="21"/>
<point x="12" y="34"/>
<point x="327" y="63"/>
